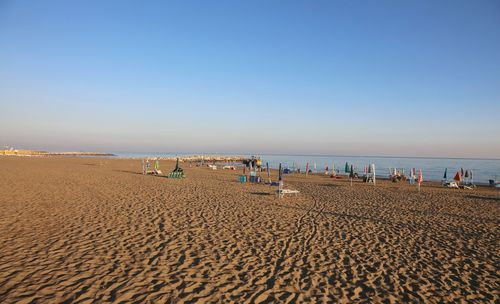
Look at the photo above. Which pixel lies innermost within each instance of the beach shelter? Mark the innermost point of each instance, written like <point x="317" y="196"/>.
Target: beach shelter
<point x="346" y="169"/>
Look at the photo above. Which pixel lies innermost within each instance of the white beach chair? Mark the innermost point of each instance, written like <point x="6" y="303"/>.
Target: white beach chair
<point x="281" y="192"/>
<point x="448" y="184"/>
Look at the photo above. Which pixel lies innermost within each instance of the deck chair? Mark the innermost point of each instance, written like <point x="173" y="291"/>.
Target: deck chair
<point x="176" y="175"/>
<point x="449" y="184"/>
<point x="281" y="192"/>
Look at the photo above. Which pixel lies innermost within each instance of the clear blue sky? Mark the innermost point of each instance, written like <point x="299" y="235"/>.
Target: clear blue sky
<point x="318" y="77"/>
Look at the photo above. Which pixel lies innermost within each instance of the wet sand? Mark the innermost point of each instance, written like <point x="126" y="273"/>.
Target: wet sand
<point x="83" y="230"/>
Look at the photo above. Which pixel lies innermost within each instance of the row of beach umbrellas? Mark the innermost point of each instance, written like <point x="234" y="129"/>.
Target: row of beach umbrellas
<point x="460" y="175"/>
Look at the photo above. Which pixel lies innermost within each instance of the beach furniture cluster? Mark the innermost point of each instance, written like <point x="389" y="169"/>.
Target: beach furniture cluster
<point x="178" y="172"/>
<point x="252" y="166"/>
<point x="253" y="177"/>
<point x="462" y="179"/>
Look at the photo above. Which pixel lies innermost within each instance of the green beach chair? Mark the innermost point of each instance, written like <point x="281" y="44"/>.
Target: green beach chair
<point x="176" y="175"/>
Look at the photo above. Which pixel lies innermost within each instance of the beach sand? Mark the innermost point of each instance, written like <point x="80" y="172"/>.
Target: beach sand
<point x="83" y="230"/>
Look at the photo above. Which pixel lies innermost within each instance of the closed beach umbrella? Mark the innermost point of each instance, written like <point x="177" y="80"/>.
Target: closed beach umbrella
<point x="280" y="177"/>
<point x="467" y="173"/>
<point x="458" y="177"/>
<point x="307" y="168"/>
<point x="419" y="179"/>
<point x="351" y="174"/>
<point x="372" y="169"/>
<point x="268" y="172"/>
<point x="461" y="171"/>
<point x="346" y="167"/>
<point x="445" y="176"/>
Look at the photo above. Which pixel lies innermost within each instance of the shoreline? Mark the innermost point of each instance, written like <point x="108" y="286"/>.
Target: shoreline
<point x="204" y="158"/>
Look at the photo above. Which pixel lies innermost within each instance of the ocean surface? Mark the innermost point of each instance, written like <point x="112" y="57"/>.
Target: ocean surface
<point x="432" y="168"/>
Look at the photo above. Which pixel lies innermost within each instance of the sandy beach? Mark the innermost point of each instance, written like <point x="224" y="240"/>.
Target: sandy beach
<point x="85" y="230"/>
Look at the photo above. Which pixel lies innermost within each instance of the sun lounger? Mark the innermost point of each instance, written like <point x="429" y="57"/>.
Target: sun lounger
<point x="281" y="192"/>
<point x="448" y="184"/>
<point x="176" y="175"/>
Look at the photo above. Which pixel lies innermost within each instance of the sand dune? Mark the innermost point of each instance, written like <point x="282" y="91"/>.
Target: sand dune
<point x="83" y="230"/>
